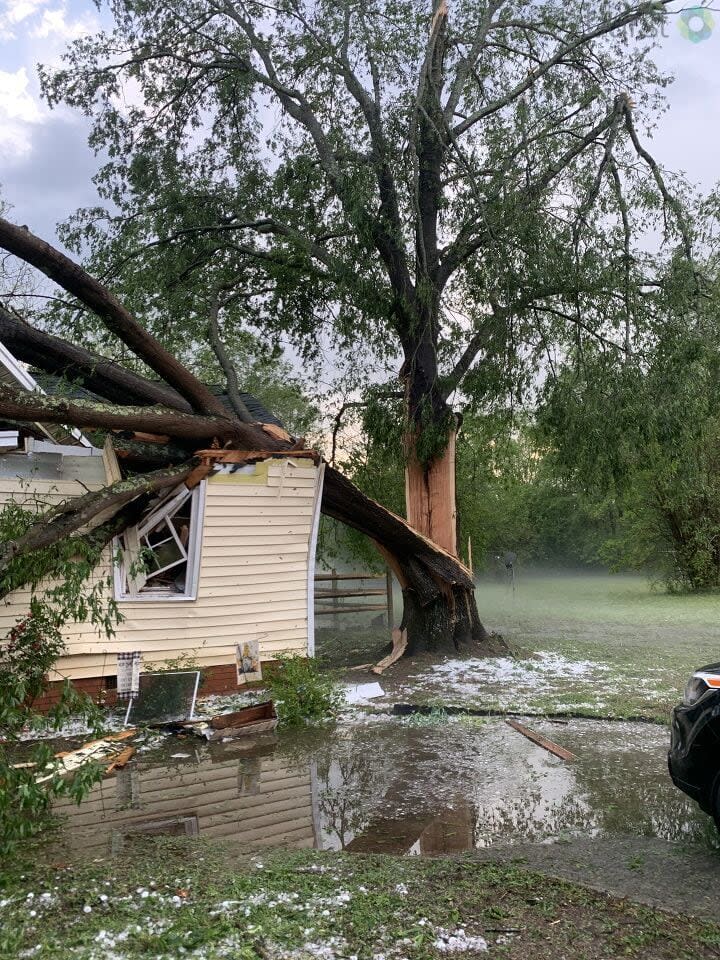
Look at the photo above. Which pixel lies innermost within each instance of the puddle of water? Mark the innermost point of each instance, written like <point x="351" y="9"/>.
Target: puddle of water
<point x="394" y="786"/>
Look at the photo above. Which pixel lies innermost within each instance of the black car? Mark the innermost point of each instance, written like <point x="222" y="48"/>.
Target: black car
<point x="694" y="757"/>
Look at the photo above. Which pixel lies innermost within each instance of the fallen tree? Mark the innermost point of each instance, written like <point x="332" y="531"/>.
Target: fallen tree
<point x="180" y="415"/>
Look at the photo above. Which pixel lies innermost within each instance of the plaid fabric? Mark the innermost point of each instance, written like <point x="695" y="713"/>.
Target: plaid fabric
<point x="128" y="675"/>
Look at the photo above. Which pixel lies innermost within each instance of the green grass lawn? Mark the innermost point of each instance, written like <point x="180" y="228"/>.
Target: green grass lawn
<point x="588" y="645"/>
<point x="648" y="640"/>
<point x="172" y="899"/>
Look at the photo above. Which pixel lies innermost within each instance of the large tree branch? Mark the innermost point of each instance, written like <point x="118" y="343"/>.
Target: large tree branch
<point x="467" y="63"/>
<point x="627" y="257"/>
<point x="262" y="226"/>
<point x="226" y="363"/>
<point x="41" y="566"/>
<point x="17" y="404"/>
<point x="343" y="501"/>
<point x="623" y="19"/>
<point x="115" y="316"/>
<point x="500" y="314"/>
<point x="96" y="373"/>
<point x="430" y="143"/>
<point x="668" y="198"/>
<point x="387" y="241"/>
<point x="475" y="234"/>
<point x="370" y="108"/>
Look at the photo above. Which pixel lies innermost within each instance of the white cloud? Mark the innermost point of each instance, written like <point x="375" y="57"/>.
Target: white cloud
<point x="54" y="23"/>
<point x="13" y="12"/>
<point x="19" y="111"/>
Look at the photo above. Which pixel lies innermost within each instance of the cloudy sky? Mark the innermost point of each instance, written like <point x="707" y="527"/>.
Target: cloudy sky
<point x="46" y="166"/>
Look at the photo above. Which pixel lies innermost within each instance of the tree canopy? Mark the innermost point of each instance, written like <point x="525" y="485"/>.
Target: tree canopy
<point x="446" y="188"/>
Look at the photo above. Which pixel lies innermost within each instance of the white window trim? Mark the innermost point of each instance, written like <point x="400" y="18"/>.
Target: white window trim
<point x="312" y="550"/>
<point x="194" y="550"/>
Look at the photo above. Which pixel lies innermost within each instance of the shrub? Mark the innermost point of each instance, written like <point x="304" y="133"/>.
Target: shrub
<point x="27" y="654"/>
<point x="303" y="693"/>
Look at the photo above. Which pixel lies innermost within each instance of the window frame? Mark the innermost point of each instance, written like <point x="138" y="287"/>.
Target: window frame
<point x="194" y="549"/>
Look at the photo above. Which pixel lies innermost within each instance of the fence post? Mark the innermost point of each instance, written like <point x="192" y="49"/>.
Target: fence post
<point x="390" y="610"/>
<point x="335" y="600"/>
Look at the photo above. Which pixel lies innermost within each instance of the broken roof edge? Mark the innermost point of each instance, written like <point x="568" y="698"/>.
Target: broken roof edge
<point x="26" y="380"/>
<point x="247" y="456"/>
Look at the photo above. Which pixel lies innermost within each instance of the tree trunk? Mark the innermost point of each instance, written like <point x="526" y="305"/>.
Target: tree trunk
<point x="430" y="496"/>
<point x="440" y="613"/>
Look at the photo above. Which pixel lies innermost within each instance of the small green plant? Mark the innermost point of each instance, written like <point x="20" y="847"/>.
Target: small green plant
<point x="303" y="693"/>
<point x="187" y="660"/>
<point x="434" y="716"/>
<point x="27" y="654"/>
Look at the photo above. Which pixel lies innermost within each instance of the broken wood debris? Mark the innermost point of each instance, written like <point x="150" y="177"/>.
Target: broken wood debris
<point x="120" y="760"/>
<point x="247" y="456"/>
<point x="109" y="748"/>
<point x="541" y="741"/>
<point x="399" y="641"/>
<point x="260" y="718"/>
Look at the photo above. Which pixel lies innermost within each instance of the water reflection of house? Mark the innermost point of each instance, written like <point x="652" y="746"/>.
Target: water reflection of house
<point x="254" y="801"/>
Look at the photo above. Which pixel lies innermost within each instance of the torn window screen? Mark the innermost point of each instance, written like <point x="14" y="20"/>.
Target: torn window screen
<point x="158" y="555"/>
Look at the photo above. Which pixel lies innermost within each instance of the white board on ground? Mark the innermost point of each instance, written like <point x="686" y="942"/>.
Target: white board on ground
<point x="363" y="692"/>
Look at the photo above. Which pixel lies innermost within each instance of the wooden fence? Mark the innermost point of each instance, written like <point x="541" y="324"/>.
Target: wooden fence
<point x="331" y="588"/>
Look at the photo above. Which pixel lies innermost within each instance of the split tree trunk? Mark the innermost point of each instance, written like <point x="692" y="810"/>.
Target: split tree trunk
<point x="430" y="496"/>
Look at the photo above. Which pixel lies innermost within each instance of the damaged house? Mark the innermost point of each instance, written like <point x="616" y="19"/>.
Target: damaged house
<point x="218" y="569"/>
<point x="223" y="504"/>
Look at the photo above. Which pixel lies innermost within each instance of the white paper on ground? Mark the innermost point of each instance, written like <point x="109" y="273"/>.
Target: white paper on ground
<point x="362" y="692"/>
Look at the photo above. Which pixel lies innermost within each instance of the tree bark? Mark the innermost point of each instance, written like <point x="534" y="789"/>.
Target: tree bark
<point x="17" y="404"/>
<point x="95" y="373"/>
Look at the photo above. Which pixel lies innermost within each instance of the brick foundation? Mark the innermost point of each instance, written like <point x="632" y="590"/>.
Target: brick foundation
<point x="218" y="679"/>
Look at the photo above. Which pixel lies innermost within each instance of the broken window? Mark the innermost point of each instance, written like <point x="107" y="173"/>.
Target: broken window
<point x="159" y="558"/>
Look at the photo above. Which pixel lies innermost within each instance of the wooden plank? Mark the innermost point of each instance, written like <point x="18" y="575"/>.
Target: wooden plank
<point x="541" y="741"/>
<point x="348" y="576"/>
<point x="260" y="711"/>
<point x="328" y="594"/>
<point x="260" y="516"/>
<point x="245" y="552"/>
<point x="319" y="611"/>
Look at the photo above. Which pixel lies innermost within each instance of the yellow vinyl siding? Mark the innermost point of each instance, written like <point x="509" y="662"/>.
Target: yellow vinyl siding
<point x="253" y="578"/>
